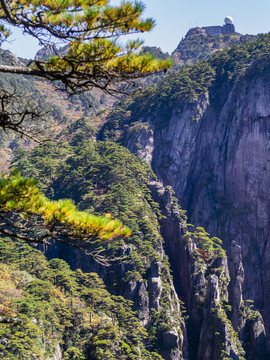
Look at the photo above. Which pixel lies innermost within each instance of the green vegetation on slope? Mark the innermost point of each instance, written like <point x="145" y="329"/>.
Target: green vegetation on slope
<point x="220" y="72"/>
<point x="197" y="45"/>
<point x="103" y="178"/>
<point x="44" y="305"/>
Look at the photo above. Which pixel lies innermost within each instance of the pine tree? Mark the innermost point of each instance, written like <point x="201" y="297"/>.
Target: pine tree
<point x="25" y="213"/>
<point x="90" y="29"/>
<point x="93" y="57"/>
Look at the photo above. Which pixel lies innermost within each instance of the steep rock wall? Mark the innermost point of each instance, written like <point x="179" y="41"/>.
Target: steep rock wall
<point x="221" y="324"/>
<point x="218" y="162"/>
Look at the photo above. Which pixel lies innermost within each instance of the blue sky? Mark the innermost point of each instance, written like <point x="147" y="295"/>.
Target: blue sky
<point x="175" y="17"/>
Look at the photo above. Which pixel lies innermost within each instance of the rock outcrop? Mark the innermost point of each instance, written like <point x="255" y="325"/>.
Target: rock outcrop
<point x="57" y="354"/>
<point x="236" y="285"/>
<point x="147" y="297"/>
<point x="46" y="52"/>
<point x="220" y="321"/>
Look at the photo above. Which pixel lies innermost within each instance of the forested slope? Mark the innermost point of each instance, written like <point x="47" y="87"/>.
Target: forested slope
<point x="47" y="310"/>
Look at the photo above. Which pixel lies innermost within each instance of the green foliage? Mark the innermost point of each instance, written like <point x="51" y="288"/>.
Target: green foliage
<point x="157" y="325"/>
<point x="105" y="178"/>
<point x="102" y="178"/>
<point x="73" y="353"/>
<point x="59" y="109"/>
<point x="220" y="313"/>
<point x="208" y="249"/>
<point x="185" y="85"/>
<point x="156" y="52"/>
<point x="49" y="309"/>
<point x="48" y="218"/>
<point x="83" y="318"/>
<point x="94" y="56"/>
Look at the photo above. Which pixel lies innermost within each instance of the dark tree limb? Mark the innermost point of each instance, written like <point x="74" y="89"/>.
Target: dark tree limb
<point x="34" y="230"/>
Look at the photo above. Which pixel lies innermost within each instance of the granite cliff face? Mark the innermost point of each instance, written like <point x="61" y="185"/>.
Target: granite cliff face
<point x="221" y="324"/>
<point x="217" y="161"/>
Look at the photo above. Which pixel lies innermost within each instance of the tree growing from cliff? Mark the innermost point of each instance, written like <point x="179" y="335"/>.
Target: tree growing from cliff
<point x="208" y="249"/>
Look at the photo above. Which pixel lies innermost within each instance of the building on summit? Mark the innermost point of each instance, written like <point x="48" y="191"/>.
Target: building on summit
<point x="227" y="28"/>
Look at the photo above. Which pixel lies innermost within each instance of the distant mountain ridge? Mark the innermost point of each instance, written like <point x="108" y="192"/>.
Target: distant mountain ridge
<point x="197" y="45"/>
